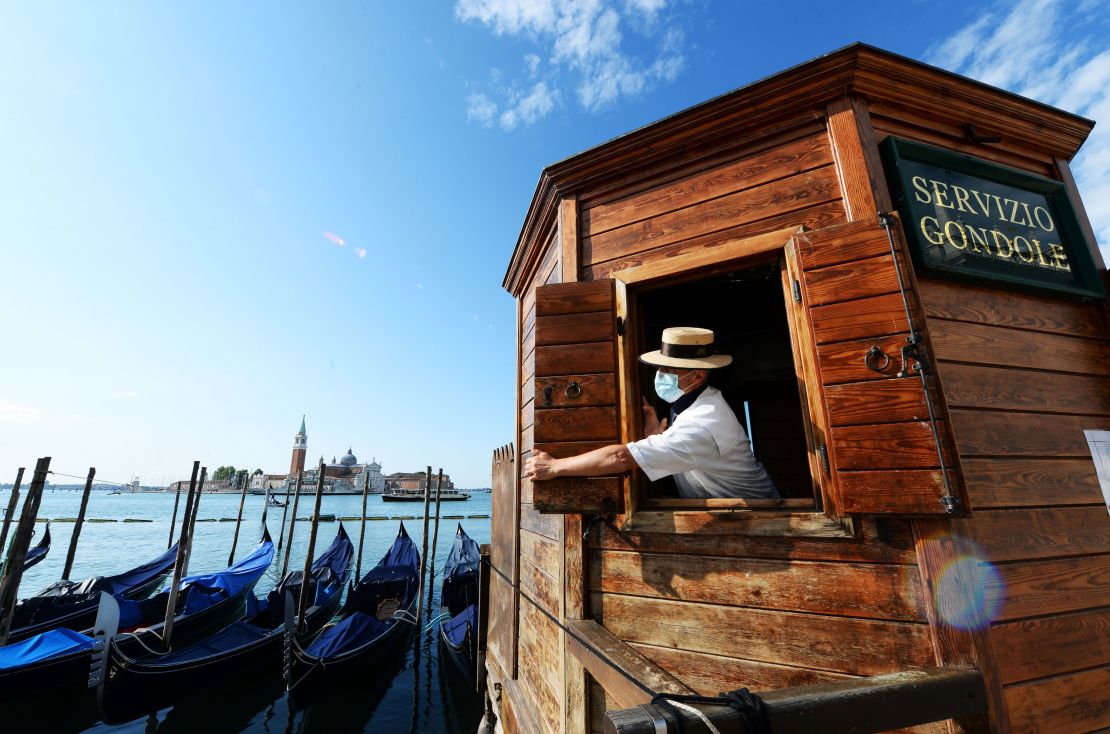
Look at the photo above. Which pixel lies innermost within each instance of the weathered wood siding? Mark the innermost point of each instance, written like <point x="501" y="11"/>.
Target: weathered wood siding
<point x="769" y="184"/>
<point x="1023" y="376"/>
<point x="541" y="539"/>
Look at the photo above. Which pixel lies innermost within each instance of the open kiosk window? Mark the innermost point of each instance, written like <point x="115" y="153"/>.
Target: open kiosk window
<point x="746" y="309"/>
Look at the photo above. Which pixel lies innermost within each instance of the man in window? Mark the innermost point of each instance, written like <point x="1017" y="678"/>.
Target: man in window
<point x="701" y="444"/>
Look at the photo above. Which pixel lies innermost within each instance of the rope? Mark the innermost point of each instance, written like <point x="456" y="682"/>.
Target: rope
<point x="138" y="639"/>
<point x="750" y="707"/>
<point x="437" y="620"/>
<point x="95" y="481"/>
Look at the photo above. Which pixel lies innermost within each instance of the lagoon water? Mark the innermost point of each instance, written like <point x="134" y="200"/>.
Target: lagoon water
<point x="433" y="699"/>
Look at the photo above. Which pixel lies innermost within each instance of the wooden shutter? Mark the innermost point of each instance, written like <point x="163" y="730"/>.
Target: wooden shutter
<point x="576" y="405"/>
<point x="881" y="453"/>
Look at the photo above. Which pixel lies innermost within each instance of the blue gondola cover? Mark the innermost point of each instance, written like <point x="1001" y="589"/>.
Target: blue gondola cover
<point x="40" y="647"/>
<point x="352" y="632"/>
<point x="455" y="628"/>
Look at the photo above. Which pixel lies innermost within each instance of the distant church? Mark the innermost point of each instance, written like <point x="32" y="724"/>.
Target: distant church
<point x="345" y="476"/>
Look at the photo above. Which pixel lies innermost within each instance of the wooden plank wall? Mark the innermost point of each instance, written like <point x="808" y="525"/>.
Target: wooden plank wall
<point x="720" y="612"/>
<point x="541" y="540"/>
<point x="768" y="184"/>
<point x="1023" y="376"/>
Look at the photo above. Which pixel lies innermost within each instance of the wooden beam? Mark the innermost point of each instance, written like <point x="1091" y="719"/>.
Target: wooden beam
<point x="624" y="665"/>
<point x="858" y="706"/>
<point x="1064" y="170"/>
<point x="72" y="553"/>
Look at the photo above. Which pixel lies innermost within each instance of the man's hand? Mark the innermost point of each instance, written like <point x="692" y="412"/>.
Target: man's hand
<point x="540" y="466"/>
<point x="652" y="425"/>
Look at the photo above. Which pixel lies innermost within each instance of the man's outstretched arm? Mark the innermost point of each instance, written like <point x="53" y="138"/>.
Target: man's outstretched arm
<point x="615" y="459"/>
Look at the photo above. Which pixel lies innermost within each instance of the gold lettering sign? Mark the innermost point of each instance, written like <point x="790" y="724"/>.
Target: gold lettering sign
<point x="973" y="219"/>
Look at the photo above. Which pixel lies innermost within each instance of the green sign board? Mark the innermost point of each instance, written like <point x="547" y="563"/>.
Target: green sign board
<point x="967" y="218"/>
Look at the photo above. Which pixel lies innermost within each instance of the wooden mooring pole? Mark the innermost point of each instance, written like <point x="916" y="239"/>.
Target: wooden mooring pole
<point x="362" y="530"/>
<point x="179" y="566"/>
<point x="173" y="520"/>
<point x="72" y="553"/>
<point x="192" y="518"/>
<point x="284" y="513"/>
<point x="423" y="554"/>
<point x="11" y="508"/>
<point x="302" y="598"/>
<point x="435" y="541"/>
<point x="17" y="554"/>
<point x="292" y="523"/>
<point x="238" y="522"/>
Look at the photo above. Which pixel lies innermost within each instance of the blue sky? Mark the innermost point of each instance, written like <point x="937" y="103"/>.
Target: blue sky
<point x="176" y="180"/>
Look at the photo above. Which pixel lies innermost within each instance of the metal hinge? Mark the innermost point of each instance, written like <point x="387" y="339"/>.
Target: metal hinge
<point x="823" y="455"/>
<point x="797" y="289"/>
<point x="620" y="326"/>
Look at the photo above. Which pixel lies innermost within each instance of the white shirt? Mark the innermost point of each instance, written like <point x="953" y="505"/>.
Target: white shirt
<point x="707" y="452"/>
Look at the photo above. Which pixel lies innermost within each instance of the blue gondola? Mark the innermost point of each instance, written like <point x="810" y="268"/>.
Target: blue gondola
<point x="39" y="551"/>
<point x="370" y="626"/>
<point x="250" y="647"/>
<point x="459" y="599"/>
<point x="72" y="604"/>
<point x="56" y="664"/>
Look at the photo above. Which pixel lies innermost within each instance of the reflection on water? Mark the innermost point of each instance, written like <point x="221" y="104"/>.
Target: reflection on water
<point x="429" y="698"/>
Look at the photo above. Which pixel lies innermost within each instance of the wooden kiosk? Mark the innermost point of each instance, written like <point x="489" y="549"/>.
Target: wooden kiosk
<point x="922" y="415"/>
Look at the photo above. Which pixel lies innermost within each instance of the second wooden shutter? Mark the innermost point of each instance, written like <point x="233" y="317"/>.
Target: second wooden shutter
<point x="881" y="451"/>
<point x="576" y="403"/>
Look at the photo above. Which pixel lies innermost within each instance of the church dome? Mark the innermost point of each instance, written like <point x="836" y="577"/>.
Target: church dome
<point x="348" y="459"/>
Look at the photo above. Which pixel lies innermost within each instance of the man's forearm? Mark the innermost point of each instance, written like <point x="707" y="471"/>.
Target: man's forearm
<point x="614" y="459"/>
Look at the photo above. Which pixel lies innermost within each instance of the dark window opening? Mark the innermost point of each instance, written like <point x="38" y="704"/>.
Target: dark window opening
<point x="746" y="309"/>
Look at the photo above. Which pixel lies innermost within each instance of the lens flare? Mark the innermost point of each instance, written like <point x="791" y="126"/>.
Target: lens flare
<point x="969" y="591"/>
<point x="334" y="238"/>
<point x="361" y="252"/>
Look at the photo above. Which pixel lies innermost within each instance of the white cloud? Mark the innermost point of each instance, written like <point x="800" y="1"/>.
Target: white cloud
<point x="529" y="108"/>
<point x="1057" y="53"/>
<point x="480" y="109"/>
<point x="586" y="47"/>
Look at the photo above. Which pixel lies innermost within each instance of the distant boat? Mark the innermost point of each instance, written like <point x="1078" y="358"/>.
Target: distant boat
<point x="417" y="495"/>
<point x="275" y="502"/>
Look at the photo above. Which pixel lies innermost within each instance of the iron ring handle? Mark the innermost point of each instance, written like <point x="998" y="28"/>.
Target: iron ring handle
<point x="876" y="359"/>
<point x="573" y="390"/>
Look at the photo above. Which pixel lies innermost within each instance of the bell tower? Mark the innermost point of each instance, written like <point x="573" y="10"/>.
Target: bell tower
<point x="300" y="447"/>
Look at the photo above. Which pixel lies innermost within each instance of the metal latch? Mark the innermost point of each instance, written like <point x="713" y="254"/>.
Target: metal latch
<point x="823" y="455"/>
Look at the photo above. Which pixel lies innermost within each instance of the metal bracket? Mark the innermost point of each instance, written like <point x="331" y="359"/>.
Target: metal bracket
<point x="547" y="394"/>
<point x="952" y="505"/>
<point x="796" y="289"/>
<point x="911" y="351"/>
<point x="620" y="326"/>
<point x="823" y="455"/>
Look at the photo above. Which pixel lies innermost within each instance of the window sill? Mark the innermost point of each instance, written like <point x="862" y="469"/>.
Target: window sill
<point x="738" y="520"/>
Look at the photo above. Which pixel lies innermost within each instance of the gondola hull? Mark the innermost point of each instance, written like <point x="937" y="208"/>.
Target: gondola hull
<point x="133" y="687"/>
<point x="312" y="676"/>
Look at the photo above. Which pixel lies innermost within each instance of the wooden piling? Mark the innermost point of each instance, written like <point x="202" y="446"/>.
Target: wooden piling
<point x="423" y="554"/>
<point x="292" y="522"/>
<point x="179" y="566"/>
<point x="11" y="508"/>
<point x="302" y="600"/>
<point x="192" y="517"/>
<point x="284" y="512"/>
<point x="173" y="520"/>
<point x="435" y="541"/>
<point x="362" y="530"/>
<point x="13" y="565"/>
<point x="238" y="522"/>
<point x="72" y="553"/>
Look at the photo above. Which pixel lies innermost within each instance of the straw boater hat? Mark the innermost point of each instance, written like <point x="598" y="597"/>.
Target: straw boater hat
<point x="689" y="347"/>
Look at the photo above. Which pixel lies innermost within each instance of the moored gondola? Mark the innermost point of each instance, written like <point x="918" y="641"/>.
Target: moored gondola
<point x="73" y="604"/>
<point x="252" y="646"/>
<point x="458" y="601"/>
<point x="374" y="620"/>
<point x="36" y="554"/>
<point x="57" y="663"/>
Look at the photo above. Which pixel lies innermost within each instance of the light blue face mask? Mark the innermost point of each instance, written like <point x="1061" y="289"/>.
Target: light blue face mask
<point x="666" y="386"/>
